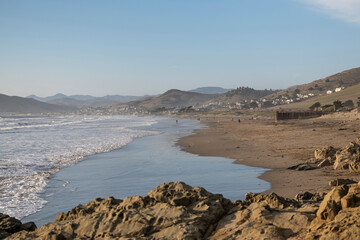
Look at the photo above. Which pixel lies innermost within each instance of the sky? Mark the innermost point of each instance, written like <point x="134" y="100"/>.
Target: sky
<point x="138" y="47"/>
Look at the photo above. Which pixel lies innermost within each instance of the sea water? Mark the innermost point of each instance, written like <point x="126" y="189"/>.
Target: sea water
<point x="34" y="148"/>
<point x="144" y="156"/>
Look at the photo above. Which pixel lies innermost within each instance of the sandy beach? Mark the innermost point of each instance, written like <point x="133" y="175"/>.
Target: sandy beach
<point x="184" y="212"/>
<point x="262" y="142"/>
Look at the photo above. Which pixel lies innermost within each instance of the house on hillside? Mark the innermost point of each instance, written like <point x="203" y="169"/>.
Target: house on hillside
<point x="329" y="92"/>
<point x="339" y="89"/>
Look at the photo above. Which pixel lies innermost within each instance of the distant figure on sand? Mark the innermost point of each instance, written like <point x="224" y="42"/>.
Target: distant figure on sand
<point x="176" y="121"/>
<point x="239" y="120"/>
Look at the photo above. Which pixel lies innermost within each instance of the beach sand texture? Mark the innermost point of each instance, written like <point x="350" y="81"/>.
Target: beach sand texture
<point x="261" y="142"/>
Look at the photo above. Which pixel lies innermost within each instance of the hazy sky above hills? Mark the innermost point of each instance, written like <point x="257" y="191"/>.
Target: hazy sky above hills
<point x="137" y="47"/>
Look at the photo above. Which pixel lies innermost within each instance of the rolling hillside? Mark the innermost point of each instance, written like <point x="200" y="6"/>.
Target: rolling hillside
<point x="345" y="79"/>
<point x="13" y="104"/>
<point x="243" y="93"/>
<point x="350" y="93"/>
<point x="172" y="99"/>
<point x="210" y="90"/>
<point x="81" y="101"/>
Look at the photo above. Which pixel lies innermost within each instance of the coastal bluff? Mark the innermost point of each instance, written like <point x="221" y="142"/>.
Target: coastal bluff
<point x="176" y="210"/>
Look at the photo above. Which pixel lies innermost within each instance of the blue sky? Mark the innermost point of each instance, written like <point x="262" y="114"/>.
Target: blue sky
<point x="137" y="47"/>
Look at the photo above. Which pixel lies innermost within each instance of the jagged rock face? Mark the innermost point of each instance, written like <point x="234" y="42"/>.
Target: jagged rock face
<point x="331" y="204"/>
<point x="273" y="200"/>
<point x="170" y="211"/>
<point x="178" y="211"/>
<point x="348" y="157"/>
<point x="265" y="217"/>
<point x="327" y="153"/>
<point x="307" y="196"/>
<point x="346" y="225"/>
<point x="339" y="215"/>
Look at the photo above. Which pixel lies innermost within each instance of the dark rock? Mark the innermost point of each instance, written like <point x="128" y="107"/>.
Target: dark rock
<point x="341" y="181"/>
<point x="29" y="226"/>
<point x="10" y="225"/>
<point x="307" y="196"/>
<point x="325" y="163"/>
<point x="302" y="167"/>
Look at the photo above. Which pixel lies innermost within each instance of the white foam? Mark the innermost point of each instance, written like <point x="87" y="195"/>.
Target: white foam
<point x="31" y="149"/>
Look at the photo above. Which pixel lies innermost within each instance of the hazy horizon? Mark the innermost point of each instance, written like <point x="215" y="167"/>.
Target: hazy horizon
<point x="143" y="47"/>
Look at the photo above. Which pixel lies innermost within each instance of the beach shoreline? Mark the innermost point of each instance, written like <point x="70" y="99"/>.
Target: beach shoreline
<point x="253" y="141"/>
<point x="154" y="160"/>
<point x="262" y="142"/>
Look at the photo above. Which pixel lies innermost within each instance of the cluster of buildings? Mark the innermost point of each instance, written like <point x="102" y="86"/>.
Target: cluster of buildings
<point x="213" y="105"/>
<point x="286" y="99"/>
<point x="336" y="90"/>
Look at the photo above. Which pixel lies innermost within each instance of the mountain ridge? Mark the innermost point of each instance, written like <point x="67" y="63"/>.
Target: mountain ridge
<point x="210" y="90"/>
<point x="15" y="104"/>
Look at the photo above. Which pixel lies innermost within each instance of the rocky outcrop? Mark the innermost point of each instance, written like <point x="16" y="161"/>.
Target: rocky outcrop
<point x="170" y="211"/>
<point x="10" y="225"/>
<point x="327" y="153"/>
<point x="265" y="217"/>
<point x="178" y="211"/>
<point x="338" y="216"/>
<point x="310" y="197"/>
<point x="347" y="157"/>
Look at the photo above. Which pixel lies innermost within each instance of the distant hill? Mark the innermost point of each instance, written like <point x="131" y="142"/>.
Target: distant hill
<point x="50" y="98"/>
<point x="13" y="104"/>
<point x="69" y="102"/>
<point x="345" y="79"/>
<point x="210" y="90"/>
<point x="172" y="99"/>
<point x="350" y="93"/>
<point x="243" y="93"/>
<point x="81" y="101"/>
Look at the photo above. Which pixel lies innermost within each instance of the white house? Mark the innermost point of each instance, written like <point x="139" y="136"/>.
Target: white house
<point x="329" y="92"/>
<point x="339" y="89"/>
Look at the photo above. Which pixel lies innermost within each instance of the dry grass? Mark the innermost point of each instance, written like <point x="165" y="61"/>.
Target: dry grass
<point x="350" y="93"/>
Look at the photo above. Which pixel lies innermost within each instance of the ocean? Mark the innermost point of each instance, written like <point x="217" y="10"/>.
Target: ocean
<point x="51" y="164"/>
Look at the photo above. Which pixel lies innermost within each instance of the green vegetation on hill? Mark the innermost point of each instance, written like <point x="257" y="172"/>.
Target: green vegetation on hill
<point x="243" y="93"/>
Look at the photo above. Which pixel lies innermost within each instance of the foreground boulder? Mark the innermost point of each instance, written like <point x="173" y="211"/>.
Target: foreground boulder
<point x="266" y="217"/>
<point x="170" y="211"/>
<point x="10" y="225"/>
<point x="338" y="216"/>
<point x="178" y="211"/>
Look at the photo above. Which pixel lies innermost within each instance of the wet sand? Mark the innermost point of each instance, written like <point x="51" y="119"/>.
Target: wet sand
<point x="263" y="143"/>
